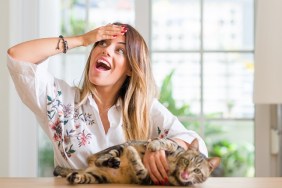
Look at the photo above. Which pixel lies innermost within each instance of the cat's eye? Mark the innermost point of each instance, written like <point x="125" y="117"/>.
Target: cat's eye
<point x="186" y="161"/>
<point x="197" y="171"/>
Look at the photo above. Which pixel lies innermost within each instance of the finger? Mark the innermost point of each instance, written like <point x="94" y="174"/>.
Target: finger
<point x="164" y="161"/>
<point x="115" y="28"/>
<point x="162" y="164"/>
<point x="112" y="34"/>
<point x="154" y="169"/>
<point x="153" y="178"/>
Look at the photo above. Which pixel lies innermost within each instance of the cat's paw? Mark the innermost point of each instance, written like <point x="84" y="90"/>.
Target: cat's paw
<point x="74" y="178"/>
<point x="154" y="145"/>
<point x="57" y="171"/>
<point x="61" y="171"/>
<point x="114" y="162"/>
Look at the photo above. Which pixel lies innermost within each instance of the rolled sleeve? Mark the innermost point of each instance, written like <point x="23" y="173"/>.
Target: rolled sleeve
<point x="30" y="81"/>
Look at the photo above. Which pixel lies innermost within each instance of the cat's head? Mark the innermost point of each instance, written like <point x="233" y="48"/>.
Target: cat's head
<point x="193" y="167"/>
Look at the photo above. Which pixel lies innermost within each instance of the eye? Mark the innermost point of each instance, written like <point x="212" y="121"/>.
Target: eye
<point x="186" y="161"/>
<point x="197" y="171"/>
<point x="102" y="43"/>
<point x="121" y="51"/>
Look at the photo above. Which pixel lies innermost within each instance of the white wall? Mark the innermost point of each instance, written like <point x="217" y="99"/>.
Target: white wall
<point x="21" y="20"/>
<point x="18" y="135"/>
<point x="4" y="89"/>
<point x="267" y="87"/>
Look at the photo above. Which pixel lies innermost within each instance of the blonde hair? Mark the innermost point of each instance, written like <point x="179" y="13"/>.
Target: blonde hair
<point x="138" y="90"/>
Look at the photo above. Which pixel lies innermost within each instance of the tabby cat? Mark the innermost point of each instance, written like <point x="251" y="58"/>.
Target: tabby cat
<point x="123" y="164"/>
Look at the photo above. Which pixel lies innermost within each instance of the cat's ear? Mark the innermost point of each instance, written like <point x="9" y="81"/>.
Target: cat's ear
<point x="214" y="162"/>
<point x="194" y="145"/>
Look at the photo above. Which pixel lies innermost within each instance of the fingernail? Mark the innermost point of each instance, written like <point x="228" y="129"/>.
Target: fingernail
<point x="166" y="180"/>
<point x="156" y="183"/>
<point x="162" y="183"/>
<point x="114" y="35"/>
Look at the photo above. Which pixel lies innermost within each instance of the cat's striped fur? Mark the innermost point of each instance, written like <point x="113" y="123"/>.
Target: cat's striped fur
<point x="123" y="164"/>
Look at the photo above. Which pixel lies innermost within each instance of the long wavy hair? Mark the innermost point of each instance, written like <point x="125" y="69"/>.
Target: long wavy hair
<point x="137" y="91"/>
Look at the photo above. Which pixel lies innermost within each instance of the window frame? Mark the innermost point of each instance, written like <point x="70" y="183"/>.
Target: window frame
<point x="202" y="119"/>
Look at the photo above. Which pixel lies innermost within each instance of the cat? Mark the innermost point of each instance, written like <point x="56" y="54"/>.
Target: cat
<point x="123" y="164"/>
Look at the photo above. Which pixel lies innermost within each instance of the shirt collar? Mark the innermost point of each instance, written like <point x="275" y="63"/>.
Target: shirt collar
<point x="93" y="103"/>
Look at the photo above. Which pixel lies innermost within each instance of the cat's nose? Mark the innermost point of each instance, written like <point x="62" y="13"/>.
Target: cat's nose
<point x="185" y="175"/>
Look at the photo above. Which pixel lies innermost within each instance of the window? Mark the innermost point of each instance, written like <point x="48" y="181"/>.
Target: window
<point x="208" y="47"/>
<point x="204" y="50"/>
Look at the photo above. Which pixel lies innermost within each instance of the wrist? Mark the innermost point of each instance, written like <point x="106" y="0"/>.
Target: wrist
<point x="75" y="41"/>
<point x="81" y="40"/>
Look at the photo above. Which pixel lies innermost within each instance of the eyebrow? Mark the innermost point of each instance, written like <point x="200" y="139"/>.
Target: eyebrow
<point x="121" y="43"/>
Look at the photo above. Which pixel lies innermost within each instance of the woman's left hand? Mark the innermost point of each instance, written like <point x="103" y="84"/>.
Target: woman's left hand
<point x="109" y="31"/>
<point x="157" y="166"/>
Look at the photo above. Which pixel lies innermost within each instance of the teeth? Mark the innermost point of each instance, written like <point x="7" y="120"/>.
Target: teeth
<point x="104" y="62"/>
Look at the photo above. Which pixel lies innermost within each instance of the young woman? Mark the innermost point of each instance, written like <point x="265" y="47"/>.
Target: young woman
<point x="116" y="102"/>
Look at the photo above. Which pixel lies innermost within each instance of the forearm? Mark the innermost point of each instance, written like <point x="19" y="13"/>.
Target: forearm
<point x="181" y="143"/>
<point x="35" y="51"/>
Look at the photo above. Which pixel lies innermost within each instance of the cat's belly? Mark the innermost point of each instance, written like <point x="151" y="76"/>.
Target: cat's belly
<point x="120" y="175"/>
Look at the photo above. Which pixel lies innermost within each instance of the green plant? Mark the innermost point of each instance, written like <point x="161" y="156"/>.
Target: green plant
<point x="166" y="97"/>
<point x="72" y="24"/>
<point x="46" y="158"/>
<point x="236" y="160"/>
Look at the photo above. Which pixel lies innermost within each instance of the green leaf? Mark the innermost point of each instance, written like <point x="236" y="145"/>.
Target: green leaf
<point x="49" y="98"/>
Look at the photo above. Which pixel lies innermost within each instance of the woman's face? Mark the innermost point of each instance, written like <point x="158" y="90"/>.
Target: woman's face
<point x="108" y="66"/>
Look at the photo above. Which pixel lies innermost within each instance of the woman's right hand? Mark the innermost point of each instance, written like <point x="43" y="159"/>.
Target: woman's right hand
<point x="109" y="31"/>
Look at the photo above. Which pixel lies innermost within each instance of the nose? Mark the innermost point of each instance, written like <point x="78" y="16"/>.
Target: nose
<point x="107" y="51"/>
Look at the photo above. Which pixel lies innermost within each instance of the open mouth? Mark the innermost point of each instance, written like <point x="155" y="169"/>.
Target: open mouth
<point x="103" y="65"/>
<point x="184" y="176"/>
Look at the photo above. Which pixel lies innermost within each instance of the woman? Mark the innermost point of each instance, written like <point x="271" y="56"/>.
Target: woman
<point x="116" y="102"/>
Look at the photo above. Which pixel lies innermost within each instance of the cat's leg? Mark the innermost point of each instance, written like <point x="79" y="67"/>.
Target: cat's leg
<point x="90" y="176"/>
<point x="111" y="158"/>
<point x="141" y="172"/>
<point x="61" y="171"/>
<point x="163" y="144"/>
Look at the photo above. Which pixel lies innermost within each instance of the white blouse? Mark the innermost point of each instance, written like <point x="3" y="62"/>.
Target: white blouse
<point x="77" y="132"/>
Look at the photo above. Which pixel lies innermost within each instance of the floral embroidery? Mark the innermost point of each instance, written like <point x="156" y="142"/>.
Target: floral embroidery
<point x="65" y="122"/>
<point x="57" y="131"/>
<point x="85" y="117"/>
<point x="89" y="119"/>
<point x="68" y="151"/>
<point x="68" y="135"/>
<point x="54" y="112"/>
<point x="162" y="133"/>
<point x="83" y="138"/>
